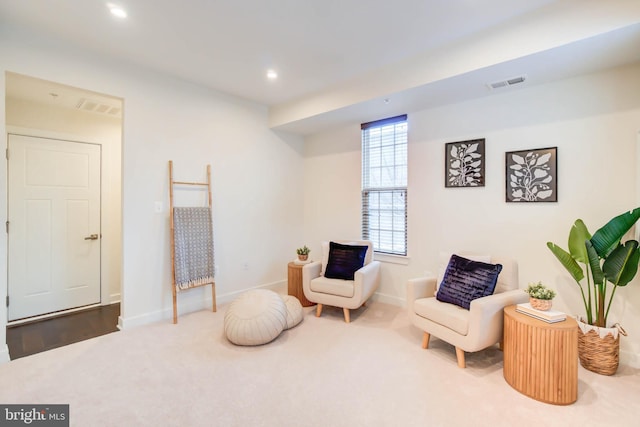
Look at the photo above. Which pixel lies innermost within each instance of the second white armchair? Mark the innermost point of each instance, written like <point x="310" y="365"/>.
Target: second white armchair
<point x="468" y="329"/>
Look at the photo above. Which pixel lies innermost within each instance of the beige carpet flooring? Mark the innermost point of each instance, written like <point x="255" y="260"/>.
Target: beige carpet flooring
<point x="323" y="372"/>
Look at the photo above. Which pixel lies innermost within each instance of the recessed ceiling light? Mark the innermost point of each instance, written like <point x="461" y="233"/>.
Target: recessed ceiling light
<point x="272" y="75"/>
<point x="117" y="10"/>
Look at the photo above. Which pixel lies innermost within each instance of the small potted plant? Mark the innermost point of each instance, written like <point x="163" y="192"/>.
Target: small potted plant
<point x="303" y="253"/>
<point x="540" y="296"/>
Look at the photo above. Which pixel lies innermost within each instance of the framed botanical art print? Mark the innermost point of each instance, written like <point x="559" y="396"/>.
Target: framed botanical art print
<point x="464" y="164"/>
<point x="532" y="175"/>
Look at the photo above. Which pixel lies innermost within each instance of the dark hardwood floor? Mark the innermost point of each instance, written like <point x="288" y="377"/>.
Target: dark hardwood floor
<point x="30" y="338"/>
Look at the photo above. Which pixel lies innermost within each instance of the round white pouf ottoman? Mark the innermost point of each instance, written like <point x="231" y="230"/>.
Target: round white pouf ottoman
<point x="255" y="317"/>
<point x="294" y="310"/>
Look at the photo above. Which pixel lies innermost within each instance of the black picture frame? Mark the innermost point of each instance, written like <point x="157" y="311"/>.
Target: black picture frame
<point x="464" y="164"/>
<point x="531" y="175"/>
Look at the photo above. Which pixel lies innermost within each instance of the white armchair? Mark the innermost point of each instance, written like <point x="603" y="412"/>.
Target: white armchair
<point x="469" y="330"/>
<point x="348" y="294"/>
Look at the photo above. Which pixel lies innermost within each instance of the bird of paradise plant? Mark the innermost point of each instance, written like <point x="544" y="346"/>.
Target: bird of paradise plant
<point x="605" y="259"/>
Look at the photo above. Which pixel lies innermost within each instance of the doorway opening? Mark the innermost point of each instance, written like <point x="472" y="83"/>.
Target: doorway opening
<point x="59" y="132"/>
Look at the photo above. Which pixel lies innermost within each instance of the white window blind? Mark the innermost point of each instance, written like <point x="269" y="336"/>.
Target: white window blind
<point x="384" y="184"/>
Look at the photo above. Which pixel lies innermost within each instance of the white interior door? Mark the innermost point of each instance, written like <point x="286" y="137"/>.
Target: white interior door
<point x="54" y="225"/>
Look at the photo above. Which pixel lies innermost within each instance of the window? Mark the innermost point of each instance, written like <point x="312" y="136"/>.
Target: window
<point x="384" y="184"/>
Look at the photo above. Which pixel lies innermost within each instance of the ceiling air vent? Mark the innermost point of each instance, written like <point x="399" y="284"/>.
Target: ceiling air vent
<point x="508" y="82"/>
<point x="94" y="106"/>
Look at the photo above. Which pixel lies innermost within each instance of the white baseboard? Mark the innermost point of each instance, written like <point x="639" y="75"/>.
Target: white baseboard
<point x="191" y="306"/>
<point x="389" y="299"/>
<point x="131" y="322"/>
<point x="4" y="354"/>
<point x="114" y="298"/>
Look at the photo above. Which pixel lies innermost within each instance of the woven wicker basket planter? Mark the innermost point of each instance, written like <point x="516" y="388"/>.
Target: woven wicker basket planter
<point x="599" y="348"/>
<point x="540" y="304"/>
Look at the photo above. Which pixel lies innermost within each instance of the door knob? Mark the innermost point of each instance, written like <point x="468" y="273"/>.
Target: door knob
<point x="92" y="237"/>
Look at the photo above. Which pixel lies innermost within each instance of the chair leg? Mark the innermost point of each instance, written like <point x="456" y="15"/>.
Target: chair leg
<point x="425" y="340"/>
<point x="318" y="310"/>
<point x="501" y="344"/>
<point x="460" y="356"/>
<point x="346" y="315"/>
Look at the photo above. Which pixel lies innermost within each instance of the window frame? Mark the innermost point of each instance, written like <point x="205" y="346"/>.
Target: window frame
<point x="394" y="210"/>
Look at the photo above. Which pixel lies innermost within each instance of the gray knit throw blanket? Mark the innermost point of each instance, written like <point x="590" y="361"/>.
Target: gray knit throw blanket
<point x="193" y="238"/>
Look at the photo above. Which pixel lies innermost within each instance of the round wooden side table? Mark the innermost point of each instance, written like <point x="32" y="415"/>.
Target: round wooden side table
<point x="540" y="358"/>
<point x="294" y="285"/>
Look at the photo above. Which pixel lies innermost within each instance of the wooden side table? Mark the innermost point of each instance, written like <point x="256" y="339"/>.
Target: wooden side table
<point x="294" y="278"/>
<point x="540" y="358"/>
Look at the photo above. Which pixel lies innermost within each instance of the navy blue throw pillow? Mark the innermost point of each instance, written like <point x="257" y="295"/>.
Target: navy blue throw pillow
<point x="344" y="260"/>
<point x="465" y="280"/>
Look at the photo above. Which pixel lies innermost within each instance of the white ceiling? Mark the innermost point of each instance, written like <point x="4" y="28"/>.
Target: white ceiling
<point x="337" y="59"/>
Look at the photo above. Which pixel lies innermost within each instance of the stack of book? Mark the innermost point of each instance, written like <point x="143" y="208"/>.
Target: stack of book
<point x="549" y="316"/>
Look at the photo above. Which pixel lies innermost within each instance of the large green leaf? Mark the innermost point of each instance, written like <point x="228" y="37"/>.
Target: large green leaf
<point x="577" y="236"/>
<point x="594" y="263"/>
<point x="621" y="265"/>
<point x="607" y="238"/>
<point x="567" y="261"/>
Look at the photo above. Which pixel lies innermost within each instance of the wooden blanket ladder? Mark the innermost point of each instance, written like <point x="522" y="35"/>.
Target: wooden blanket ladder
<point x="172" y="184"/>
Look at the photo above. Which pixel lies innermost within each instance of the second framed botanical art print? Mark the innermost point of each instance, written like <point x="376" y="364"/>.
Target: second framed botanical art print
<point x="464" y="164"/>
<point x="532" y="175"/>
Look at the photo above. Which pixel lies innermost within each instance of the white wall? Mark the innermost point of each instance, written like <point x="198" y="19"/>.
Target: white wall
<point x="593" y="120"/>
<point x="255" y="189"/>
<point x="256" y="173"/>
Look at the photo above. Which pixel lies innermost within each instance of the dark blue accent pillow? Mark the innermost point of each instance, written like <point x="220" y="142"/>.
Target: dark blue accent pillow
<point x="465" y="280"/>
<point x="344" y="260"/>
